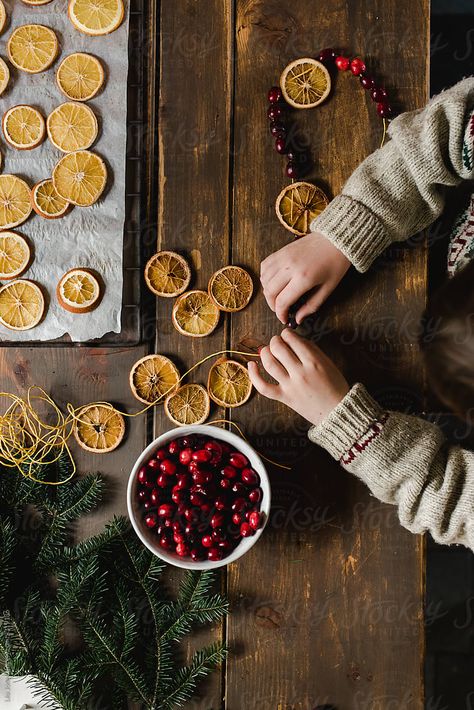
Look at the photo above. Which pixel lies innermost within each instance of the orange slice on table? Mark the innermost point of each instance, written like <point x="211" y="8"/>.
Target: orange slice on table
<point x="21" y="305"/>
<point x="229" y="384"/>
<point x="298" y="204"/>
<point x="305" y="83"/>
<point x="79" y="291"/>
<point x="80" y="178"/>
<point x="152" y="378"/>
<point x="23" y="127"/>
<point x="195" y="314"/>
<point x="3" y="16"/>
<point x="15" y="205"/>
<point x="15" y="255"/>
<point x="167" y="274"/>
<point x="4" y="75"/>
<point x="46" y="202"/>
<point x="32" y="48"/>
<point x="72" y="126"/>
<point x="231" y="288"/>
<point x="99" y="428"/>
<point x="96" y="17"/>
<point x="188" y="405"/>
<point x="80" y="76"/>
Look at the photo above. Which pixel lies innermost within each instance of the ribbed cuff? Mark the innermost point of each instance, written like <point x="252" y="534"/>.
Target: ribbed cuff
<point x="347" y="422"/>
<point x="353" y="229"/>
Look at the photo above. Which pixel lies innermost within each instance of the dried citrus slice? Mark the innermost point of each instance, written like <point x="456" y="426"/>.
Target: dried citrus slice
<point x="229" y="383"/>
<point x="188" y="405"/>
<point x="96" y="17"/>
<point x="32" y="48"/>
<point x="23" y="127"/>
<point x="305" y="83"/>
<point x="298" y="204"/>
<point x="80" y="76"/>
<point x="3" y="16"/>
<point x="99" y="428"/>
<point x="231" y="288"/>
<point x="79" y="291"/>
<point x="152" y="377"/>
<point x="4" y="75"/>
<point x="15" y="205"/>
<point x="167" y="274"/>
<point x="15" y="255"/>
<point x="195" y="314"/>
<point x="72" y="126"/>
<point x="80" y="178"/>
<point x="36" y="2"/>
<point x="46" y="202"/>
<point x="21" y="305"/>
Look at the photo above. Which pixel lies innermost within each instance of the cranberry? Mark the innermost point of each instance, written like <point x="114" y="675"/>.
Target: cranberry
<point x="182" y="549"/>
<point x="343" y="63"/>
<point x="161" y="454"/>
<point x="226" y="546"/>
<point x="168" y="467"/>
<point x="378" y="94"/>
<point x="142" y="495"/>
<point x="155" y="496"/>
<point x="176" y="526"/>
<point x="168" y="523"/>
<point x="238" y="460"/>
<point x="229" y="472"/>
<point x="218" y="536"/>
<point x="277" y="129"/>
<point x="197" y="498"/>
<point x="357" y="66"/>
<point x="185" y="455"/>
<point x="255" y="519"/>
<point x="179" y="537"/>
<point x="191" y="515"/>
<point x="165" y="542"/>
<point x="367" y="82"/>
<point x="202" y="455"/>
<point x="189" y="530"/>
<point x="162" y="481"/>
<point x="188" y="441"/>
<point x="280" y="146"/>
<point x="215" y="554"/>
<point x="216" y="451"/>
<point x="246" y="530"/>
<point x="220" y="503"/>
<point x="384" y="110"/>
<point x="292" y="170"/>
<point x="150" y="520"/>
<point x="237" y="519"/>
<point x="182" y="507"/>
<point x="142" y="476"/>
<point x="183" y="481"/>
<point x="327" y="55"/>
<point x="218" y="520"/>
<point x="178" y="495"/>
<point x="238" y="488"/>
<point x="238" y="505"/>
<point x="255" y="495"/>
<point x="274" y="112"/>
<point x="174" y="447"/>
<point x="225" y="483"/>
<point x="166" y="510"/>
<point x="206" y="541"/>
<point x="274" y="95"/>
<point x="197" y="555"/>
<point x="202" y="476"/>
<point x="250" y="477"/>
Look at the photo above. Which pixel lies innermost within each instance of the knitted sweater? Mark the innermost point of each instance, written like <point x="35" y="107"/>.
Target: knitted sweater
<point x="396" y="192"/>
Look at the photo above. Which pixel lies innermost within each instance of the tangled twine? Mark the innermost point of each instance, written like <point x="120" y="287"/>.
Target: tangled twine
<point x="28" y="441"/>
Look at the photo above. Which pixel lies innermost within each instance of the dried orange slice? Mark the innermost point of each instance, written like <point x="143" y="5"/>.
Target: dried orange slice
<point x="23" y="127"/>
<point x="36" y="2"/>
<point x="188" y="405"/>
<point x="15" y="205"/>
<point x="32" y="48"/>
<point x="15" y="255"/>
<point x="79" y="291"/>
<point x="21" y="305"/>
<point x="231" y="288"/>
<point x="46" y="202"/>
<point x="99" y="428"/>
<point x="153" y="377"/>
<point x="72" y="126"/>
<point x="96" y="17"/>
<point x="305" y="83"/>
<point x="195" y="314"/>
<point x="167" y="274"/>
<point x="229" y="383"/>
<point x="80" y="178"/>
<point x="80" y="76"/>
<point x="3" y="16"/>
<point x="298" y="204"/>
<point x="4" y="75"/>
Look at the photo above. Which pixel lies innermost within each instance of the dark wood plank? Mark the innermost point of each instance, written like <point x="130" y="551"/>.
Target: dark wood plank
<point x="193" y="187"/>
<point x="329" y="603"/>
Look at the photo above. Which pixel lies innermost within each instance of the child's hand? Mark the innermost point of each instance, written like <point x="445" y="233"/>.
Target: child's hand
<point x="311" y="263"/>
<point x="308" y="381"/>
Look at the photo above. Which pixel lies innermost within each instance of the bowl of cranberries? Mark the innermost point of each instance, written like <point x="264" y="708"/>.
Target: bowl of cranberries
<point x="199" y="497"/>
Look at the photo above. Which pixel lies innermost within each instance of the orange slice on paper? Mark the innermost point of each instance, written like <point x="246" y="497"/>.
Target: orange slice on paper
<point x="79" y="291"/>
<point x="15" y="205"/>
<point x="305" y="83"/>
<point x="80" y="76"/>
<point x="188" y="405"/>
<point x="80" y="178"/>
<point x="4" y="75"/>
<point x="298" y="204"/>
<point x="46" y="202"/>
<point x="229" y="384"/>
<point x="231" y="288"/>
<point x="167" y="274"/>
<point x="3" y="16"/>
<point x="15" y="255"/>
<point x="23" y="127"/>
<point x="99" y="428"/>
<point x="21" y="305"/>
<point x="32" y="48"/>
<point x="96" y="17"/>
<point x="195" y="314"/>
<point x="72" y="126"/>
<point x="36" y="2"/>
<point x="152" y="378"/>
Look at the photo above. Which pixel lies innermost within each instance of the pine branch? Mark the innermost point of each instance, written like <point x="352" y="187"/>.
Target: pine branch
<point x="7" y="550"/>
<point x="202" y="664"/>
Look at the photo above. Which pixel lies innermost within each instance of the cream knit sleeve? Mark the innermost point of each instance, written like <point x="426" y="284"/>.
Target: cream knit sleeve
<point x="406" y="461"/>
<point x="400" y="189"/>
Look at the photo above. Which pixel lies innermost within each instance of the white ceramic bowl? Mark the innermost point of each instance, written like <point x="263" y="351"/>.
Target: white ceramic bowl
<point x="147" y="537"/>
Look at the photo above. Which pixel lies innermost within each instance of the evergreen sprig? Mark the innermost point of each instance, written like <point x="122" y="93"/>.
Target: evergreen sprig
<point x="78" y="618"/>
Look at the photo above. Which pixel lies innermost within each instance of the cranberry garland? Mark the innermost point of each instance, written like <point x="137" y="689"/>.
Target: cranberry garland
<point x="298" y="161"/>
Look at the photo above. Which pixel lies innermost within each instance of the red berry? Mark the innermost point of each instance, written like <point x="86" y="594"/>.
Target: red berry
<point x="255" y="519"/>
<point x="250" y="477"/>
<point x="215" y="554"/>
<point x="151" y="520"/>
<point x="216" y="451"/>
<point x="155" y="496"/>
<point x="191" y="515"/>
<point x="182" y="549"/>
<point x="174" y="447"/>
<point x="277" y="129"/>
<point x="343" y="63"/>
<point x="183" y="481"/>
<point x="220" y="503"/>
<point x="178" y="495"/>
<point x="165" y="542"/>
<point x="218" y="520"/>
<point x="218" y="536"/>
<point x="280" y="146"/>
<point x="238" y="505"/>
<point x="166" y="510"/>
<point x="168" y="467"/>
<point x="162" y="481"/>
<point x="238" y="460"/>
<point x="161" y="454"/>
<point x="202" y="455"/>
<point x="246" y="530"/>
<point x="225" y="483"/>
<point x="384" y="110"/>
<point x="179" y="537"/>
<point x="238" y="488"/>
<point x="275" y="95"/>
<point x="176" y="526"/>
<point x="274" y="112"/>
<point x="292" y="170"/>
<point x="206" y="541"/>
<point x="229" y="472"/>
<point x="357" y="66"/>
<point x="237" y="519"/>
<point x="378" y="94"/>
<point x="327" y="55"/>
<point x="202" y="477"/>
<point x="197" y="555"/>
<point x="367" y="82"/>
<point x="196" y="498"/>
<point x="185" y="455"/>
<point x="142" y="476"/>
<point x="255" y="495"/>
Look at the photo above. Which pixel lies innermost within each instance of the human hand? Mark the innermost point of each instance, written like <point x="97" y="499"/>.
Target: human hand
<point x="307" y="380"/>
<point x="310" y="265"/>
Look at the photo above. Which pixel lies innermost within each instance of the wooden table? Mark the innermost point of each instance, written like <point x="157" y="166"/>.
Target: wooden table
<point x="327" y="608"/>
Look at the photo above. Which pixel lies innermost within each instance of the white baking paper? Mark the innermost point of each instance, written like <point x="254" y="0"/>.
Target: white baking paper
<point x="91" y="236"/>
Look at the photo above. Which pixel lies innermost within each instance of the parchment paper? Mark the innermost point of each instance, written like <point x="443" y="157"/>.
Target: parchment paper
<point x="87" y="236"/>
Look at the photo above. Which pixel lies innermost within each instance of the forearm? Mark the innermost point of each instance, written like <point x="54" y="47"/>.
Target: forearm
<point x="404" y="461"/>
<point x="401" y="188"/>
